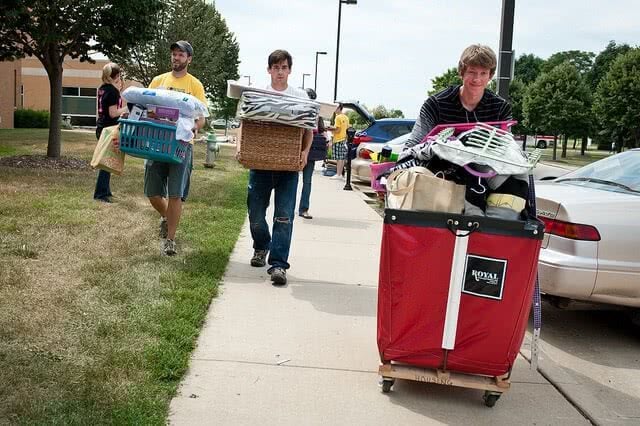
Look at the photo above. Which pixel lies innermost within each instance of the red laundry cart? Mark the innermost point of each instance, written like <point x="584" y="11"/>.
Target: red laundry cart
<point x="454" y="298"/>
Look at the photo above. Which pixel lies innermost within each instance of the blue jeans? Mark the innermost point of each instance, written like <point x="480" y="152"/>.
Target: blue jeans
<point x="103" y="189"/>
<point x="307" y="175"/>
<point x="285" y="185"/>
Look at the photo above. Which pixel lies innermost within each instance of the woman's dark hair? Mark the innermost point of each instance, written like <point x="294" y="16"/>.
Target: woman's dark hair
<point x="279" y="56"/>
<point x="311" y="93"/>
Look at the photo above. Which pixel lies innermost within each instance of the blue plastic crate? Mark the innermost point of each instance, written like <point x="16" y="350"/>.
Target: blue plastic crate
<point x="153" y="141"/>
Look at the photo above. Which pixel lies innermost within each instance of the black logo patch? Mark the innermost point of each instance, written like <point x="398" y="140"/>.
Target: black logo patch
<point x="484" y="276"/>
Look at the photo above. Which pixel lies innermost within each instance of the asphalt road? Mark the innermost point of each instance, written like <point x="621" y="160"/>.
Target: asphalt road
<point x="593" y="357"/>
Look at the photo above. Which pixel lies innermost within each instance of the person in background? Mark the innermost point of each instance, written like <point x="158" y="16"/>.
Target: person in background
<point x="110" y="107"/>
<point x="318" y="152"/>
<point x="165" y="184"/>
<point x="339" y="147"/>
<point x="284" y="183"/>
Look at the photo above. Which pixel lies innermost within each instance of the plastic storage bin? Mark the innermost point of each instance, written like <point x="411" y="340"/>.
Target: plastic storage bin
<point x="377" y="170"/>
<point x="153" y="141"/>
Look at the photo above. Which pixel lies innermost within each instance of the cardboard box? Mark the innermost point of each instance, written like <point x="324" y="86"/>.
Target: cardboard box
<point x="159" y="112"/>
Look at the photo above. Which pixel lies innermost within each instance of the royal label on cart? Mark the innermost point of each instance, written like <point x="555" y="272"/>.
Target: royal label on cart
<point x="484" y="276"/>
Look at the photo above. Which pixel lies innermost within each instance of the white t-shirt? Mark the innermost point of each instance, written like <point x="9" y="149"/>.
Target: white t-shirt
<point x="290" y="90"/>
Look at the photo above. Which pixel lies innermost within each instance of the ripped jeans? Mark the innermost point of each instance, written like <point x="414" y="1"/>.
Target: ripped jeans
<point x="285" y="186"/>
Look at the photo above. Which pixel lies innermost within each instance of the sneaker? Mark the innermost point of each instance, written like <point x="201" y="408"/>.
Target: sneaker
<point x="169" y="248"/>
<point x="278" y="276"/>
<point x="259" y="258"/>
<point x="164" y="228"/>
<point x="336" y="177"/>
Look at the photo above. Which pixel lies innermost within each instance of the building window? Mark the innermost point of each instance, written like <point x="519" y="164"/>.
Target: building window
<point x="79" y="101"/>
<point x="88" y="91"/>
<point x="70" y="91"/>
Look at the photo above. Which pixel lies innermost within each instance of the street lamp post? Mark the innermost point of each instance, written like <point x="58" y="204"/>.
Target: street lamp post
<point x="505" y="54"/>
<point x="249" y="78"/>
<point x="315" y="76"/>
<point x="335" y="88"/>
<point x="303" y="76"/>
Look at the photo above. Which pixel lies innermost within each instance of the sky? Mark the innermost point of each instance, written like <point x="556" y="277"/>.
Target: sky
<point x="390" y="50"/>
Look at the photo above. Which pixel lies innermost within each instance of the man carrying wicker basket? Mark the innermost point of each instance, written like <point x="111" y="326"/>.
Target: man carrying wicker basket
<point x="283" y="183"/>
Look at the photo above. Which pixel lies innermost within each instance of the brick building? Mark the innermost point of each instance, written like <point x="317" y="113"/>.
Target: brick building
<point x="24" y="84"/>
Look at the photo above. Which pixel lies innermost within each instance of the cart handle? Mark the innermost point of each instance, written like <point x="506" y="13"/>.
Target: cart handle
<point x="452" y="226"/>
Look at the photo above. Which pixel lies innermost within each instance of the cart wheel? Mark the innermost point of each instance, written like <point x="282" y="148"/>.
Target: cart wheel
<point x="387" y="383"/>
<point x="490" y="398"/>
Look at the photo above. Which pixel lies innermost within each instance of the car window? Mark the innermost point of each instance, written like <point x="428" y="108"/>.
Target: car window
<point x="395" y="130"/>
<point x="400" y="140"/>
<point x="622" y="170"/>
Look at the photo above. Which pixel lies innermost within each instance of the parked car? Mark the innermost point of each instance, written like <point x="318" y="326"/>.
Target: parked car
<point x="221" y="123"/>
<point x="379" y="131"/>
<point x="591" y="250"/>
<point x="360" y="165"/>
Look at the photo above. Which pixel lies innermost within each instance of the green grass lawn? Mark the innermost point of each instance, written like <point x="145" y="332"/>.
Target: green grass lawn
<point x="574" y="156"/>
<point x="96" y="326"/>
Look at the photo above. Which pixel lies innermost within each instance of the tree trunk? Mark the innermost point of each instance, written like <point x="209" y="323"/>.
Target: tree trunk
<point x="555" y="147"/>
<point x="524" y="142"/>
<point x="53" y="65"/>
<point x="583" y="148"/>
<point x="564" y="146"/>
<point x="575" y="141"/>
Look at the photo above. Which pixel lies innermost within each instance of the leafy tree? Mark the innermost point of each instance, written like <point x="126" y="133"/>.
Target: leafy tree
<point x="396" y="113"/>
<point x="517" y="92"/>
<point x="216" y="52"/>
<point x="54" y="30"/>
<point x="558" y="102"/>
<point x="449" y="78"/>
<point x="583" y="61"/>
<point x="381" y="111"/>
<point x="603" y="62"/>
<point x="616" y="101"/>
<point x="527" y="68"/>
<point x="355" y="119"/>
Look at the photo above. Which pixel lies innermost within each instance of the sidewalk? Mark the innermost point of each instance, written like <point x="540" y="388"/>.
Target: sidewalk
<point x="306" y="353"/>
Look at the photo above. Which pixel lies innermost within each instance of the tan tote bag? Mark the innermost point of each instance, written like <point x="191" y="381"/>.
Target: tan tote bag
<point x="417" y="188"/>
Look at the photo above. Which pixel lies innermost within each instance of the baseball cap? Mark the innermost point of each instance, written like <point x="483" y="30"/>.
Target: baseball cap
<point x="185" y="46"/>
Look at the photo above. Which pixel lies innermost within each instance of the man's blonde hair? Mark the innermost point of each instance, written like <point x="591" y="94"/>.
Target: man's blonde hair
<point x="110" y="72"/>
<point x="477" y="55"/>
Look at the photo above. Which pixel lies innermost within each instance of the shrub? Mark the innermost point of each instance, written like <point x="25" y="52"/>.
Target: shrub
<point x="30" y="119"/>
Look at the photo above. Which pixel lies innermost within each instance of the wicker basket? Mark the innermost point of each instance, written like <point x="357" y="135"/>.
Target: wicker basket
<point x="270" y="146"/>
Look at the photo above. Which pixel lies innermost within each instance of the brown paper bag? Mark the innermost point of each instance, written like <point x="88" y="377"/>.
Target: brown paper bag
<point x="105" y="156"/>
<point x="417" y="188"/>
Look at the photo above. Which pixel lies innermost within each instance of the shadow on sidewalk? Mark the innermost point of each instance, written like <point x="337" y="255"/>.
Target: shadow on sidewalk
<point x="337" y="223"/>
<point x="337" y="299"/>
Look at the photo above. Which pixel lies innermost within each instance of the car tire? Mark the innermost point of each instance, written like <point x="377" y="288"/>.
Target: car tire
<point x="541" y="144"/>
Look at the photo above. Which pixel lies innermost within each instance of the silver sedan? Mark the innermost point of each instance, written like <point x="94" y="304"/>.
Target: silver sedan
<point x="591" y="251"/>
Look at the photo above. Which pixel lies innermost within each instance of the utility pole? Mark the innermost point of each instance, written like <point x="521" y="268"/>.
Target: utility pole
<point x="505" y="54"/>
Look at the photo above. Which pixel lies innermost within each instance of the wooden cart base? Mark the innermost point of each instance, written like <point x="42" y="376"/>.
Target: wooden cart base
<point x="494" y="387"/>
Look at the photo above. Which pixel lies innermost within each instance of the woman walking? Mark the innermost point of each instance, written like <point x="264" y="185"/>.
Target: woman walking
<point x="109" y="110"/>
<point x="318" y="152"/>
